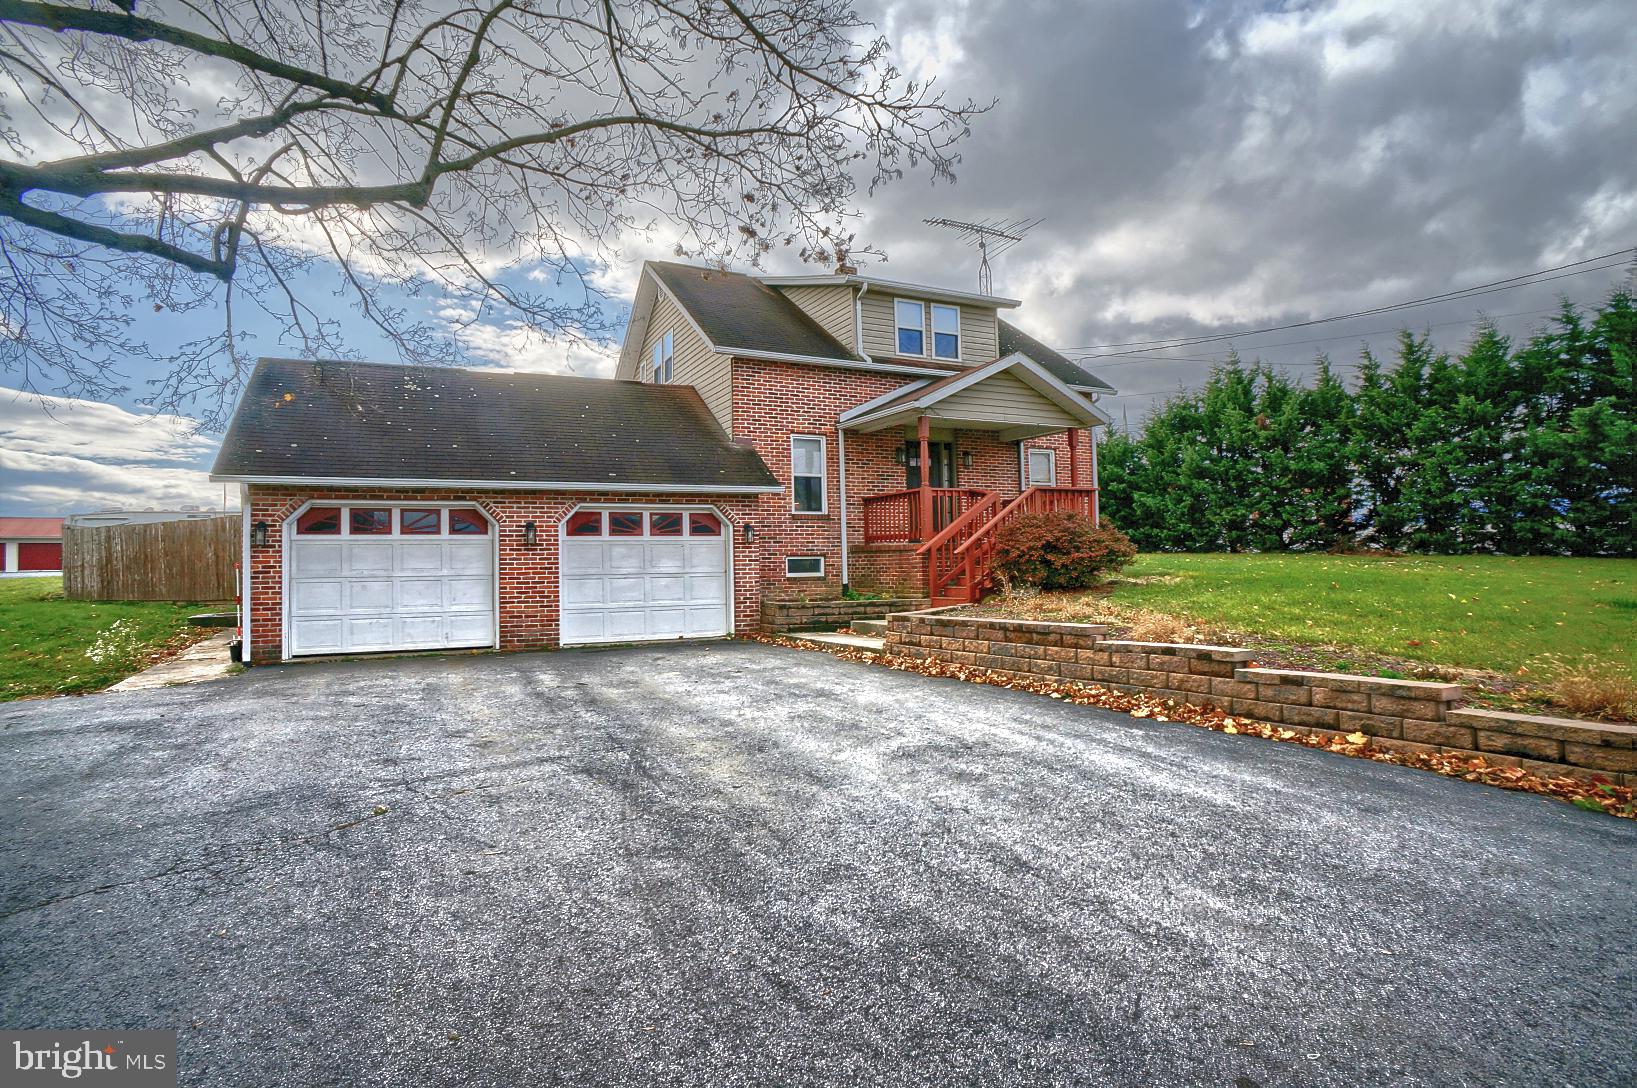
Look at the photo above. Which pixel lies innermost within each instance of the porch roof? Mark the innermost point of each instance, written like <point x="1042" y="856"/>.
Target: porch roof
<point x="1013" y="395"/>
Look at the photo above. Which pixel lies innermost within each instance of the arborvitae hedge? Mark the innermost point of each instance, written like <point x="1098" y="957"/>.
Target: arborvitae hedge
<point x="1528" y="450"/>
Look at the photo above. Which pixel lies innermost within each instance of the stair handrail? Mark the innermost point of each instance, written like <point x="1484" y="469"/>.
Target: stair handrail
<point x="974" y="554"/>
<point x="940" y="550"/>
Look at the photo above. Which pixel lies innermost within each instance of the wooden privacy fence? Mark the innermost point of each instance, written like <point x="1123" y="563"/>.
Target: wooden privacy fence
<point x="161" y="561"/>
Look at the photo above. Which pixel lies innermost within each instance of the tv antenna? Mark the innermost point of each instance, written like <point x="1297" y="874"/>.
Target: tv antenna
<point x="992" y="237"/>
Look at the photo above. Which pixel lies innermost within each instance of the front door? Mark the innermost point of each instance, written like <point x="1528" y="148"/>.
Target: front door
<point x="943" y="463"/>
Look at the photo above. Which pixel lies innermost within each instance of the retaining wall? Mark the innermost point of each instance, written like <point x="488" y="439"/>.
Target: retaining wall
<point x="837" y="612"/>
<point x="1411" y="714"/>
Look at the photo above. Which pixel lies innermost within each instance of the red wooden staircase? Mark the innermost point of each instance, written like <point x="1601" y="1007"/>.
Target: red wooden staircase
<point x="960" y="559"/>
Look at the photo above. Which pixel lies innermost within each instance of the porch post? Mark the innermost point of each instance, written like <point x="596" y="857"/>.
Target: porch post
<point x="923" y="431"/>
<point x="1074" y="457"/>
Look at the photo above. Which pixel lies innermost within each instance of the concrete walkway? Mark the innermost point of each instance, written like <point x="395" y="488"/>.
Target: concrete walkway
<point x="207" y="660"/>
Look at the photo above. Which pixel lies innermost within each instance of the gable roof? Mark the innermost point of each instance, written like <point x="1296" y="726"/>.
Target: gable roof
<point x="923" y="395"/>
<point x="741" y="312"/>
<point x="375" y="422"/>
<point x="38" y="528"/>
<point x="1064" y="369"/>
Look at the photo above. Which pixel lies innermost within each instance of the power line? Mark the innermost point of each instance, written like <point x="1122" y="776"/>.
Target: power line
<point x="1128" y="361"/>
<point x="1508" y="284"/>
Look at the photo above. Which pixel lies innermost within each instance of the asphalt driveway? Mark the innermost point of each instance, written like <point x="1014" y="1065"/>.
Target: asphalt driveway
<point x="734" y="864"/>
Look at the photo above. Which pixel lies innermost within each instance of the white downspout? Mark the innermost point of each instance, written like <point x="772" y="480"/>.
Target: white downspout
<point x="1097" y="499"/>
<point x="841" y="433"/>
<point x="244" y="575"/>
<point x="841" y="459"/>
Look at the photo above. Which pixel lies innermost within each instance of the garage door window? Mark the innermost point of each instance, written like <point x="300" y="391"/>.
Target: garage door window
<point x="320" y="521"/>
<point x="626" y="524"/>
<point x="467" y="523"/>
<point x="586" y="523"/>
<point x="368" y="522"/>
<point x="665" y="524"/>
<point x="704" y="525"/>
<point x="417" y="522"/>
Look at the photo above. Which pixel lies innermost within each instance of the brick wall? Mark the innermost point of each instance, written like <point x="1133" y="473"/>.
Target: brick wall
<point x="772" y="401"/>
<point x="889" y="568"/>
<point x="528" y="598"/>
<point x="1410" y="714"/>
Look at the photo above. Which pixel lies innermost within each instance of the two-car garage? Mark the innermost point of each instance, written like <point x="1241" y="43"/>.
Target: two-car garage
<point x="399" y="508"/>
<point x="368" y="578"/>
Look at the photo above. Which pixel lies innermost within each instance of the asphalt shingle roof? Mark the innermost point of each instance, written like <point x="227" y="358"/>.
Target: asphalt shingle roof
<point x="739" y="311"/>
<point x="346" y="420"/>
<point x="1063" y="369"/>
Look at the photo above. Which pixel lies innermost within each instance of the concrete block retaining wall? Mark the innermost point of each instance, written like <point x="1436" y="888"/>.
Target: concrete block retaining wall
<point x="1406" y="714"/>
<point x="837" y="612"/>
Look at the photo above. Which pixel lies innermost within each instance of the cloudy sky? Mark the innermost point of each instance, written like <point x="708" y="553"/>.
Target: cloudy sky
<point x="1199" y="169"/>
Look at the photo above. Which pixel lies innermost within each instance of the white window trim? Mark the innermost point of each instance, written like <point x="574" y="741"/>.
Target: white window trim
<point x="816" y="574"/>
<point x="824" y="475"/>
<point x="896" y="348"/>
<point x="933" y="345"/>
<point x="1023" y="465"/>
<point x="663" y="351"/>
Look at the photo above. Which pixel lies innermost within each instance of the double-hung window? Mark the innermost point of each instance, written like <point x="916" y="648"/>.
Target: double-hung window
<point x="946" y="331"/>
<point x="662" y="359"/>
<point x="911" y="320"/>
<point x="807" y="474"/>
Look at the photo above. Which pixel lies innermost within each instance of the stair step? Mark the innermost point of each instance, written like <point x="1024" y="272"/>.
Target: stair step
<point x="870" y="627"/>
<point x="852" y="642"/>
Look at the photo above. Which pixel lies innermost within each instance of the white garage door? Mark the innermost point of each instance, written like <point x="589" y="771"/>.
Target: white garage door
<point x="639" y="575"/>
<point x="365" y="579"/>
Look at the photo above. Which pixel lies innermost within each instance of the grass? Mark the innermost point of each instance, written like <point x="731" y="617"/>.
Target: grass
<point x="1539" y="614"/>
<point x="53" y="646"/>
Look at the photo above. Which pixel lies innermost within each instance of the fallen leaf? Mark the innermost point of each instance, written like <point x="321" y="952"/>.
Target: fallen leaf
<point x="1356" y="738"/>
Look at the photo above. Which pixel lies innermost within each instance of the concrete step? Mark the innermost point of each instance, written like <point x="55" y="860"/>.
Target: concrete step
<point x="852" y="642"/>
<point x="876" y="628"/>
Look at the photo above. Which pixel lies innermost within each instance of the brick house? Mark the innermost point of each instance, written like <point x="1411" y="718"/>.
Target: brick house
<point x="763" y="439"/>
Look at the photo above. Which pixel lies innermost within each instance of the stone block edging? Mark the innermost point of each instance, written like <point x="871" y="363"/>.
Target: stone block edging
<point x="1408" y="714"/>
<point x="779" y="616"/>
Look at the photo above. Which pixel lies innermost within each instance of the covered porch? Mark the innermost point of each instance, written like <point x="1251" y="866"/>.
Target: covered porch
<point x="939" y="466"/>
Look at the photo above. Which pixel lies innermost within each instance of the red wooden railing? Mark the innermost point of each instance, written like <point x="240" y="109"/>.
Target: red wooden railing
<point x="960" y="558"/>
<point x="896" y="515"/>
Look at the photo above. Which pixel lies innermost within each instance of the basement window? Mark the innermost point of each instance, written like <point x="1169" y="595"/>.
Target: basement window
<point x="804" y="566"/>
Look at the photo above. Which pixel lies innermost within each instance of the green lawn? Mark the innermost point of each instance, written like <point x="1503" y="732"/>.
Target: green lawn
<point x="53" y="646"/>
<point x="1485" y="612"/>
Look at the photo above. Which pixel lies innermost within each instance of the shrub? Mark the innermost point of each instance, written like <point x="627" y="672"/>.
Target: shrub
<point x="1064" y="550"/>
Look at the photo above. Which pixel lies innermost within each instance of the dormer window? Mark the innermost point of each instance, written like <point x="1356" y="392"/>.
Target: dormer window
<point x="911" y="320"/>
<point x="662" y="360"/>
<point x="946" y="331"/>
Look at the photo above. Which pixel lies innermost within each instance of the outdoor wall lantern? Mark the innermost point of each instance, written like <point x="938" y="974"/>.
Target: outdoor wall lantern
<point x="900" y="456"/>
<point x="530" y="535"/>
<point x="966" y="458"/>
<point x="750" y="532"/>
<point x="258" y="535"/>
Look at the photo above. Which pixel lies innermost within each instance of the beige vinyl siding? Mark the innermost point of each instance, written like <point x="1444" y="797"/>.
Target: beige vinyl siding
<point x="831" y="307"/>
<point x="1004" y="398"/>
<point x="692" y="362"/>
<point x="880" y="336"/>
<point x="980" y="333"/>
